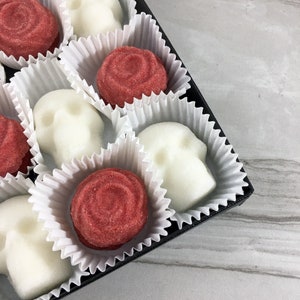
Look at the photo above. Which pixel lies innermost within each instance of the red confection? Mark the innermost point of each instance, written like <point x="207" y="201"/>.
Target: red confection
<point x="27" y="28"/>
<point x="129" y="72"/>
<point x="109" y="208"/>
<point x="14" y="150"/>
<point x="25" y="163"/>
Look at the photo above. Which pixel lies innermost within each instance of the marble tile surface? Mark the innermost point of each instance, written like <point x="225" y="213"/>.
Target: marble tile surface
<point x="245" y="58"/>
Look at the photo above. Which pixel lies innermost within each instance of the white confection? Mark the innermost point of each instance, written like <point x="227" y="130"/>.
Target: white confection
<point x="67" y="126"/>
<point x="90" y="17"/>
<point x="180" y="159"/>
<point x="25" y="255"/>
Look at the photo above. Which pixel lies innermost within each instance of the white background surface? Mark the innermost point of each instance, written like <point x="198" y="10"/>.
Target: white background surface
<point x="245" y="58"/>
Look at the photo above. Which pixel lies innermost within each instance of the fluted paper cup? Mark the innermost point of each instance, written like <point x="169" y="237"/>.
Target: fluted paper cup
<point x="82" y="59"/>
<point x="11" y="187"/>
<point x="58" y="8"/>
<point x="9" y="110"/>
<point x="7" y="107"/>
<point x="75" y="280"/>
<point x="222" y="162"/>
<point x="52" y="196"/>
<point x="2" y="74"/>
<point x="34" y="81"/>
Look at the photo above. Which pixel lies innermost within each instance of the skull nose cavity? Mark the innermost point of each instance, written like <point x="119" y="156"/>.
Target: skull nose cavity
<point x="26" y="226"/>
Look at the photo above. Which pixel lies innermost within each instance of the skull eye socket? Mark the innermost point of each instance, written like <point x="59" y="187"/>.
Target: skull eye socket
<point x="47" y="119"/>
<point x="2" y="241"/>
<point x="185" y="142"/>
<point x="160" y="157"/>
<point x="74" y="4"/>
<point x="74" y="109"/>
<point x="27" y="225"/>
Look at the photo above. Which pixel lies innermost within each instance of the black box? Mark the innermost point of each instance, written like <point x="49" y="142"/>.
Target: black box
<point x="193" y="94"/>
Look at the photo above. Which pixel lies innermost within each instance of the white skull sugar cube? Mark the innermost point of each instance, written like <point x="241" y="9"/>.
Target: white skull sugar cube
<point x="25" y="255"/>
<point x="67" y="126"/>
<point x="179" y="157"/>
<point x="90" y="17"/>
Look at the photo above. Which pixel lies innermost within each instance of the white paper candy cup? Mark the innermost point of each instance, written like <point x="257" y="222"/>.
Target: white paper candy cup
<point x="82" y="58"/>
<point x="66" y="286"/>
<point x="2" y="74"/>
<point x="9" y="110"/>
<point x="127" y="6"/>
<point x="11" y="187"/>
<point x="34" y="81"/>
<point x="220" y="159"/>
<point x="7" y="106"/>
<point x="52" y="196"/>
<point x="58" y="8"/>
